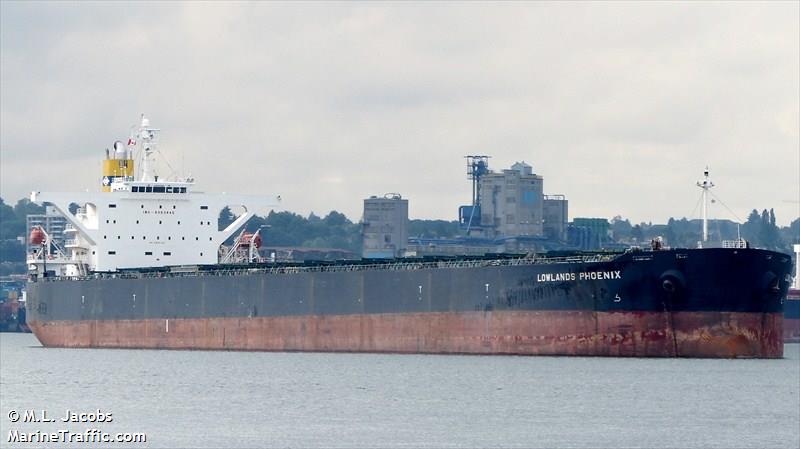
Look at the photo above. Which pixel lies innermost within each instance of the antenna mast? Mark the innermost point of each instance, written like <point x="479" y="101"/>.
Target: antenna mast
<point x="705" y="184"/>
<point x="145" y="138"/>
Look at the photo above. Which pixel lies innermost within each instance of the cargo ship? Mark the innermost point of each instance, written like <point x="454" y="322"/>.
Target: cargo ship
<point x="143" y="268"/>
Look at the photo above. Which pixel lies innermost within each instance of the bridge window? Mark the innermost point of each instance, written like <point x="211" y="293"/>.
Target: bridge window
<point x="112" y="206"/>
<point x="111" y="253"/>
<point x="167" y="253"/>
<point x="148" y="189"/>
<point x="158" y="189"/>
<point x="135" y="189"/>
<point x="148" y="253"/>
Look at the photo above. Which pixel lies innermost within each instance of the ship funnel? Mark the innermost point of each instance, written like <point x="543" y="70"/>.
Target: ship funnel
<point x="119" y="150"/>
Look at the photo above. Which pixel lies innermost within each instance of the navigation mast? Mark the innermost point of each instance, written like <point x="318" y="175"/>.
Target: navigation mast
<point x="146" y="138"/>
<point x="705" y="184"/>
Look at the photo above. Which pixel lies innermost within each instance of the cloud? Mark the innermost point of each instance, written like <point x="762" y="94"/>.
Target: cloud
<point x="618" y="105"/>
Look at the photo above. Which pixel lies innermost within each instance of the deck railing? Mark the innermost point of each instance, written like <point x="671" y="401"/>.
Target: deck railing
<point x="356" y="266"/>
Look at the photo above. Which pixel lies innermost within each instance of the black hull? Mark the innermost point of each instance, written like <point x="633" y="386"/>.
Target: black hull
<point x="733" y="295"/>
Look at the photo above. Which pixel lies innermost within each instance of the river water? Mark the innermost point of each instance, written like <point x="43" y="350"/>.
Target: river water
<point x="321" y="400"/>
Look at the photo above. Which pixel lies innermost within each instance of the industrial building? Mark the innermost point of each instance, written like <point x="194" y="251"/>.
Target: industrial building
<point x="509" y="214"/>
<point x="511" y="203"/>
<point x="385" y="227"/>
<point x="589" y="233"/>
<point x="554" y="217"/>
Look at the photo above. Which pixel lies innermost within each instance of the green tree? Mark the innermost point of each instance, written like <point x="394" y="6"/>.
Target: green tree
<point x="225" y="218"/>
<point x="670" y="235"/>
<point x="8" y="221"/>
<point x="637" y="233"/>
<point x="25" y="207"/>
<point x="751" y="228"/>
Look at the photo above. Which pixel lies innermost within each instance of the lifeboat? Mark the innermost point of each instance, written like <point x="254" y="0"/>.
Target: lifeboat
<point x="249" y="239"/>
<point x="37" y="236"/>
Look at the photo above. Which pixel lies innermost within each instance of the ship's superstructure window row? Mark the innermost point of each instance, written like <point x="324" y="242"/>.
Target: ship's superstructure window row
<point x="157" y="189"/>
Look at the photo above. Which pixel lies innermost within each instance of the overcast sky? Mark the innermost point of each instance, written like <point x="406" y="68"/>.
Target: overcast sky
<point x="619" y="106"/>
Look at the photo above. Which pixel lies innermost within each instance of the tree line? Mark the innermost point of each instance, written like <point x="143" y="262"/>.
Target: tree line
<point x="760" y="230"/>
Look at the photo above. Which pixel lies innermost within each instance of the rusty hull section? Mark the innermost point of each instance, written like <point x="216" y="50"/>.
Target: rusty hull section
<point x="583" y="333"/>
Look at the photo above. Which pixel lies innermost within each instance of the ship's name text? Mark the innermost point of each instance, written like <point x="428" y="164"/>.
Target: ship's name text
<point x="582" y="276"/>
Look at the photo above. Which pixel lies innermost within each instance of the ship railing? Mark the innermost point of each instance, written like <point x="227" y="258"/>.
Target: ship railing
<point x="354" y="267"/>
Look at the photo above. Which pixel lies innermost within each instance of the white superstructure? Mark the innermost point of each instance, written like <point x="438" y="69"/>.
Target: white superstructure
<point x="144" y="222"/>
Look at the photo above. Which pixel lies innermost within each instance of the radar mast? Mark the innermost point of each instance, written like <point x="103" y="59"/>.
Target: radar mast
<point x="706" y="185"/>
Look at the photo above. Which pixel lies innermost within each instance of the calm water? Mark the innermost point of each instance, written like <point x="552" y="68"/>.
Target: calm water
<point x="237" y="399"/>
